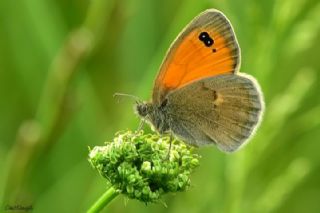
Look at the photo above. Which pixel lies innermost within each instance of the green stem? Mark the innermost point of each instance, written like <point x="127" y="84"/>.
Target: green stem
<point x="104" y="200"/>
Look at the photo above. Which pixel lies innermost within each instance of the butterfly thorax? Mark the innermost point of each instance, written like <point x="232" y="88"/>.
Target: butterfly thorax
<point x="157" y="116"/>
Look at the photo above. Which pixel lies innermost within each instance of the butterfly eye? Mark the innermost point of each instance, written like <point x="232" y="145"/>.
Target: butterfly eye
<point x="142" y="110"/>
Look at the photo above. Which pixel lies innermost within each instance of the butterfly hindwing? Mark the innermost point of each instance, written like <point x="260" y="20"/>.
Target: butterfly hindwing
<point x="222" y="110"/>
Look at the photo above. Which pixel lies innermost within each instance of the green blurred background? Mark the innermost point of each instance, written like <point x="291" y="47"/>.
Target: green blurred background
<point x="61" y="61"/>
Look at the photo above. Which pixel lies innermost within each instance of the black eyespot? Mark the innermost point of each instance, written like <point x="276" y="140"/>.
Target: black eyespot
<point x="203" y="36"/>
<point x="206" y="39"/>
<point x="208" y="42"/>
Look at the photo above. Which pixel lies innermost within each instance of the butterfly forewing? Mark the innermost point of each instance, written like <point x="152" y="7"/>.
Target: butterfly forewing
<point x="206" y="47"/>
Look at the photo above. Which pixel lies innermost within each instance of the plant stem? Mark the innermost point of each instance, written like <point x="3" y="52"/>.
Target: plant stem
<point x="104" y="200"/>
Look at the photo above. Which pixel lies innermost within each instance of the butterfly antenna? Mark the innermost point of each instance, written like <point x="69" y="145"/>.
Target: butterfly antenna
<point x="137" y="100"/>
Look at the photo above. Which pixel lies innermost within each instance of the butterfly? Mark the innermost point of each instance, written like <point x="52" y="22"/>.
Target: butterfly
<point x="199" y="95"/>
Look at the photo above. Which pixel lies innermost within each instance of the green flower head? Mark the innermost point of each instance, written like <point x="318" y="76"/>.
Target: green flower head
<point x="138" y="165"/>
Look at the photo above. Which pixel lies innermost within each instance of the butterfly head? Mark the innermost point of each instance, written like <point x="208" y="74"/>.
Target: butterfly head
<point x="144" y="109"/>
<point x="156" y="116"/>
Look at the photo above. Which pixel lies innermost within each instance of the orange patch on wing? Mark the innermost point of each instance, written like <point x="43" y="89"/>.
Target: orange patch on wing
<point x="192" y="60"/>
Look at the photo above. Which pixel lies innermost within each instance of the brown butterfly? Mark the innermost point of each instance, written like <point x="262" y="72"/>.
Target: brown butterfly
<point x="199" y="96"/>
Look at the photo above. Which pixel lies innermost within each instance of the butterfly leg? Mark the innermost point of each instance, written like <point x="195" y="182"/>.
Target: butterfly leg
<point x="141" y="124"/>
<point x="170" y="145"/>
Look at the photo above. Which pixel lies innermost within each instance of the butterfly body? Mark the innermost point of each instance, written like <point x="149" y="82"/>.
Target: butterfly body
<point x="198" y="95"/>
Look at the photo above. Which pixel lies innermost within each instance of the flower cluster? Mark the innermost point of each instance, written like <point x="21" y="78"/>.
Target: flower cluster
<point x="140" y="165"/>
